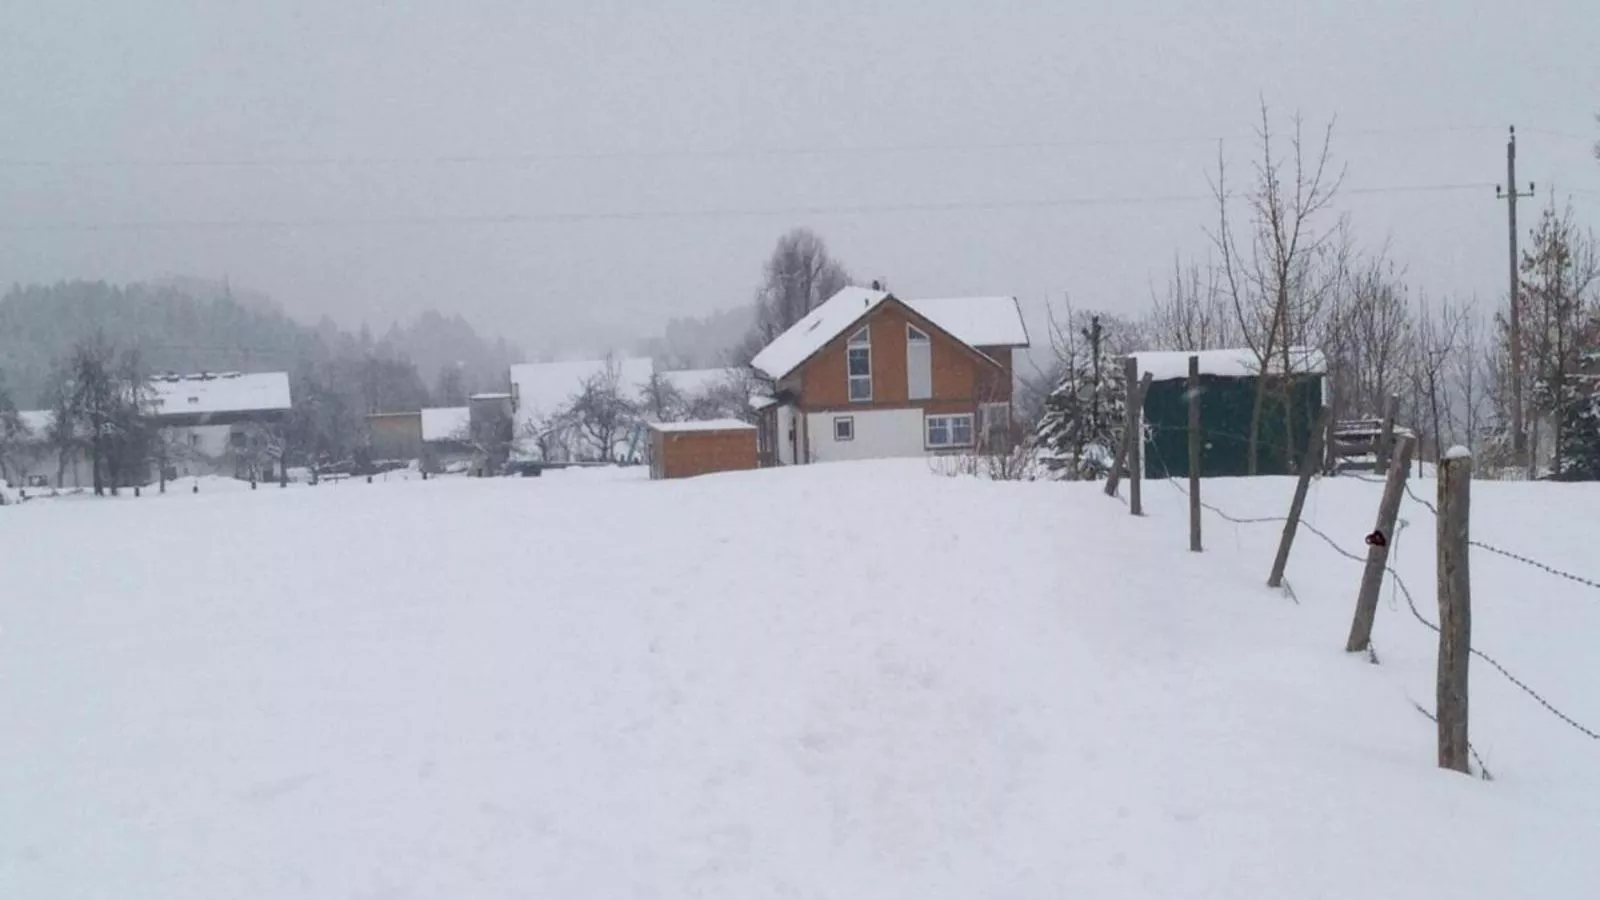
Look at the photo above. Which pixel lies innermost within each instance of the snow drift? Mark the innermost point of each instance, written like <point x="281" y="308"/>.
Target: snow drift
<point x="839" y="681"/>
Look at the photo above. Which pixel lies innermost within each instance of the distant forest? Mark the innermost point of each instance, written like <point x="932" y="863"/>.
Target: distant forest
<point x="190" y="325"/>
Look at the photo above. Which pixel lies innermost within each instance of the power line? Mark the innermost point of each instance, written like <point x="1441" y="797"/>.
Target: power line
<point x="533" y="157"/>
<point x="662" y="215"/>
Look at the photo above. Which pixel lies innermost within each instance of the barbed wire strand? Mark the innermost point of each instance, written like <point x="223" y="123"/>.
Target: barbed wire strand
<point x="1490" y="548"/>
<point x="1404" y="590"/>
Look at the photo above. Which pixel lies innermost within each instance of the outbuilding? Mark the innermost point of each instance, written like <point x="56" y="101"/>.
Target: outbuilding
<point x="686" y="449"/>
<point x="1229" y="380"/>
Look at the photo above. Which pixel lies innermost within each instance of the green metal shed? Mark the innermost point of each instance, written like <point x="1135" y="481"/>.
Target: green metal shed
<point x="1228" y="382"/>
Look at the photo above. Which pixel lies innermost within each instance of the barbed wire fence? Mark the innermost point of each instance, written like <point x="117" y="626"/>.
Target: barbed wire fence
<point x="1593" y="583"/>
<point x="1399" y="584"/>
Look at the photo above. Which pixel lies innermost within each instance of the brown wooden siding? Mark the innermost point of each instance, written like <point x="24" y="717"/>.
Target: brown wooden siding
<point x="684" y="454"/>
<point x="961" y="379"/>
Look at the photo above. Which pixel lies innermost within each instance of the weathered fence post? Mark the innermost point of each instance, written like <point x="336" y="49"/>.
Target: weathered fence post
<point x="1378" y="548"/>
<point x="1308" y="467"/>
<point x="1133" y="428"/>
<point x="1455" y="607"/>
<point x="1385" y="449"/>
<point x="1134" y="399"/>
<point x="1193" y="392"/>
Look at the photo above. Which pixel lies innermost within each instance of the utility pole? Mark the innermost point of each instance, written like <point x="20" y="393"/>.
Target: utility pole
<point x="1508" y="192"/>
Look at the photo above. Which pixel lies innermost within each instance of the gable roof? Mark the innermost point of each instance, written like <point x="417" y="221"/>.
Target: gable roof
<point x="974" y="321"/>
<point x="445" y="423"/>
<point x="545" y="388"/>
<point x="694" y="382"/>
<point x="214" y="394"/>
<point x="977" y="321"/>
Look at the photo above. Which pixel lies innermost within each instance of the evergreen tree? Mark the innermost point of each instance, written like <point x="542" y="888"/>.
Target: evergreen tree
<point x="1575" y="406"/>
<point x="1083" y="416"/>
<point x="1560" y="274"/>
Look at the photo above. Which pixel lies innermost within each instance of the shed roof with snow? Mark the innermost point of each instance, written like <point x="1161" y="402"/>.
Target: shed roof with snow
<point x="1172" y="365"/>
<point x="706" y="425"/>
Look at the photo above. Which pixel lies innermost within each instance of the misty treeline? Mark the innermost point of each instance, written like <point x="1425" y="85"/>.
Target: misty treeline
<point x="1286" y="270"/>
<point x="190" y="326"/>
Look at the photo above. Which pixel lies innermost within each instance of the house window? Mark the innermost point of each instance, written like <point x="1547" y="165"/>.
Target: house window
<point x="949" y="431"/>
<point x="994" y="422"/>
<point x="919" y="364"/>
<point x="858" y="355"/>
<point x="844" y="428"/>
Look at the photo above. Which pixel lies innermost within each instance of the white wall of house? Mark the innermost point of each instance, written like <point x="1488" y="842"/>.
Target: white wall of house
<point x="207" y="440"/>
<point x="875" y="434"/>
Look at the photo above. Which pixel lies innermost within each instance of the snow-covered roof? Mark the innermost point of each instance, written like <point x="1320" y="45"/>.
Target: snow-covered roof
<point x="691" y="382"/>
<point x="1173" y="365"/>
<point x="709" y="425"/>
<point x="975" y="321"/>
<point x="545" y="388"/>
<point x="812" y="333"/>
<point x="212" y="394"/>
<point x="445" y="423"/>
<point x="758" y="402"/>
<point x="37" y="421"/>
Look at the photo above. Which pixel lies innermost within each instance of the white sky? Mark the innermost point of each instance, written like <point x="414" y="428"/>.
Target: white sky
<point x="648" y="155"/>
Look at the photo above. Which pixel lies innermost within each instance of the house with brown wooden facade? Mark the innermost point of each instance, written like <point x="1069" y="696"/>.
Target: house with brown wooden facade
<point x="868" y="375"/>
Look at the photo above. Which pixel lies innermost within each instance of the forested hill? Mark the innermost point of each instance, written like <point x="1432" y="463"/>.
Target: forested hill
<point x="189" y="325"/>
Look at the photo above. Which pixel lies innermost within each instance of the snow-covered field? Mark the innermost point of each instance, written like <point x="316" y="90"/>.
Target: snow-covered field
<point x="853" y="681"/>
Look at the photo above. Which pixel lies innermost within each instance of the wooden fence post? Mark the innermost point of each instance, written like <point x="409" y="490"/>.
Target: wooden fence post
<point x="1455" y="607"/>
<point x="1135" y="399"/>
<point x="1308" y="467"/>
<point x="1385" y="449"/>
<point x="1194" y="453"/>
<point x="1378" y="549"/>
<point x="1133" y="429"/>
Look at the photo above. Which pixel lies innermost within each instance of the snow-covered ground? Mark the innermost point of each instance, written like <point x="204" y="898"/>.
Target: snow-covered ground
<point x="854" y="681"/>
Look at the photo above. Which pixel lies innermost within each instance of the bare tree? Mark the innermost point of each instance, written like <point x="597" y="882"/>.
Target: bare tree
<point x="1195" y="313"/>
<point x="1468" y="373"/>
<point x="798" y="276"/>
<point x="1438" y="330"/>
<point x="662" y="401"/>
<point x="603" y="412"/>
<point x="1275" y="281"/>
<point x="1371" y="339"/>
<point x="16" y="440"/>
<point x="549" y="433"/>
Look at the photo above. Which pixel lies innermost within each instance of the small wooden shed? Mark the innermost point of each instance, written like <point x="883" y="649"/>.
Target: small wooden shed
<point x="686" y="449"/>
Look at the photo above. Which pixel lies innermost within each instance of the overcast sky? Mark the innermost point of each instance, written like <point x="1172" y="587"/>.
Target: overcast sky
<point x="563" y="169"/>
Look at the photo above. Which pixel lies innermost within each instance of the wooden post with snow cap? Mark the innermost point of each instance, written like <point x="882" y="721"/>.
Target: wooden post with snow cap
<point x="1385" y="449"/>
<point x="1378" y="548"/>
<point x="1193" y="392"/>
<point x="1455" y="607"/>
<point x="1135" y="400"/>
<point x="1308" y="467"/>
<point x="1133" y="438"/>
